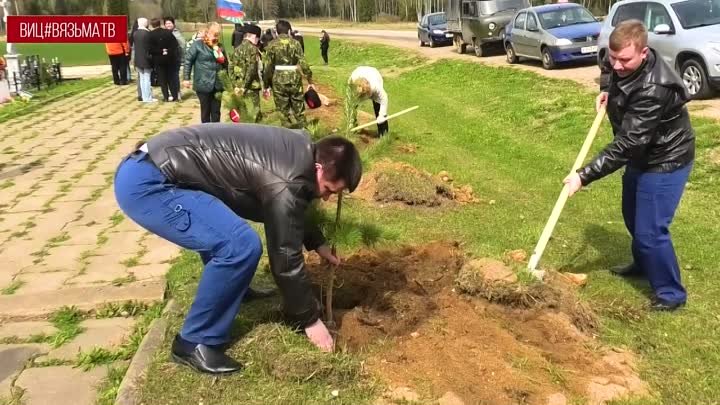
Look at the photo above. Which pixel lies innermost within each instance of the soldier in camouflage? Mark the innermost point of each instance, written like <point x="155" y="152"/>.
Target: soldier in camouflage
<point x="245" y="68"/>
<point x="284" y="62"/>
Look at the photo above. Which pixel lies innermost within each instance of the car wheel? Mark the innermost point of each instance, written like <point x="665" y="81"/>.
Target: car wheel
<point x="695" y="79"/>
<point x="479" y="50"/>
<point x="547" y="59"/>
<point x="433" y="44"/>
<point x="510" y="54"/>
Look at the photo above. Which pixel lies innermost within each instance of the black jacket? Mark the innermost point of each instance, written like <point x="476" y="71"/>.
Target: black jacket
<point x="141" y="42"/>
<point x="163" y="46"/>
<point x="650" y="122"/>
<point x="264" y="174"/>
<point x="237" y="38"/>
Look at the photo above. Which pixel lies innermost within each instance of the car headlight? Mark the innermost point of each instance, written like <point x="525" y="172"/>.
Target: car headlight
<point x="563" y="42"/>
<point x="492" y="25"/>
<point x="437" y="32"/>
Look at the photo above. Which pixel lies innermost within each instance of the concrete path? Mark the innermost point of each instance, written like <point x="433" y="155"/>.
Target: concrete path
<point x="63" y="241"/>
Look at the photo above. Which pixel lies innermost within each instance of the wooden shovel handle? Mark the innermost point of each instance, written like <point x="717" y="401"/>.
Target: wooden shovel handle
<point x="560" y="204"/>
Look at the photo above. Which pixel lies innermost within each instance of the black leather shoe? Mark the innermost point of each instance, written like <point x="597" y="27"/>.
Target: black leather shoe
<point x="204" y="359"/>
<point x="664" y="306"/>
<point x="253" y="294"/>
<point x="627" y="270"/>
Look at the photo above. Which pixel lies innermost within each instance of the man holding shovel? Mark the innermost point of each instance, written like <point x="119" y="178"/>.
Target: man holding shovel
<point x="655" y="142"/>
<point x="198" y="186"/>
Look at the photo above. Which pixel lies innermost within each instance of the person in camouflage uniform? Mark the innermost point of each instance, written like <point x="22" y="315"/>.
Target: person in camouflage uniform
<point x="283" y="59"/>
<point x="245" y="68"/>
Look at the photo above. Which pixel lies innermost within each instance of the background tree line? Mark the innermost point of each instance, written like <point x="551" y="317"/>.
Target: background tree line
<point x="204" y="10"/>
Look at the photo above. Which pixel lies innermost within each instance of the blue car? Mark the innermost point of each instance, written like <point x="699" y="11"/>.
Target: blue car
<point x="432" y="30"/>
<point x="553" y="34"/>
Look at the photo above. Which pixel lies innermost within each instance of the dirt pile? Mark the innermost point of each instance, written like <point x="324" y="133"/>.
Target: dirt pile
<point x="496" y="282"/>
<point x="409" y="310"/>
<point x="394" y="182"/>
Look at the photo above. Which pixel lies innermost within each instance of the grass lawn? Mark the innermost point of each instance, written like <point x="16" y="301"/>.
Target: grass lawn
<point x="512" y="136"/>
<point x="69" y="54"/>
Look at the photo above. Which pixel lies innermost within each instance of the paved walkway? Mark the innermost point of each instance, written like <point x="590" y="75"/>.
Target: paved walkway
<point x="63" y="241"/>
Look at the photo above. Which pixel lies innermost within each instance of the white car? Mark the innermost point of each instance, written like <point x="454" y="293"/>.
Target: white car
<point x="685" y="33"/>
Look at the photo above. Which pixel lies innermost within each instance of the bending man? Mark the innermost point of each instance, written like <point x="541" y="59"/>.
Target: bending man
<point x="198" y="186"/>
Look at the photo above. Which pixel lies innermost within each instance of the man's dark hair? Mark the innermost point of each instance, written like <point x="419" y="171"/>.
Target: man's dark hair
<point x="155" y="22"/>
<point x="340" y="160"/>
<point x="283" y="27"/>
<point x="171" y="19"/>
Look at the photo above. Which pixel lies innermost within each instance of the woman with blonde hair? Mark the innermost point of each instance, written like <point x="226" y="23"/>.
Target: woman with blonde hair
<point x="206" y="58"/>
<point x="368" y="84"/>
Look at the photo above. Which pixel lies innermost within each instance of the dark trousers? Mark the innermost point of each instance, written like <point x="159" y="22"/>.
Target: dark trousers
<point x="649" y="201"/>
<point x="324" y="53"/>
<point x="165" y="74"/>
<point x="382" y="128"/>
<point x="228" y="246"/>
<point x="119" y="65"/>
<point x="175" y="79"/>
<point x="209" y="107"/>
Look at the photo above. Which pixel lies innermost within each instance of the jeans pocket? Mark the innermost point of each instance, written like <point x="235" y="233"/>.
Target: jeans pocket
<point x="179" y="217"/>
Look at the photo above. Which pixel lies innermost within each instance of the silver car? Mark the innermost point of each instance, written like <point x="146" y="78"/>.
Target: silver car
<point x="685" y="33"/>
<point x="553" y="34"/>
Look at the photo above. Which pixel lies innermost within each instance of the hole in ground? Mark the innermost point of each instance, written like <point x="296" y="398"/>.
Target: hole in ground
<point x="404" y="311"/>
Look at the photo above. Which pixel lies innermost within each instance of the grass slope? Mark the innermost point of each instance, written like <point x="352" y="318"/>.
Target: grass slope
<point x="512" y="136"/>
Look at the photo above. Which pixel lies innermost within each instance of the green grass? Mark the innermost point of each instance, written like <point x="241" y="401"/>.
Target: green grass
<point x="67" y="321"/>
<point x="512" y="136"/>
<point x="19" y="108"/>
<point x="69" y="54"/>
<point x="12" y="287"/>
<point x="116" y="219"/>
<point x="111" y="383"/>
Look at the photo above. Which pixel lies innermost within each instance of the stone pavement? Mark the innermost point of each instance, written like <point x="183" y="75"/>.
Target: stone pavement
<point x="64" y="242"/>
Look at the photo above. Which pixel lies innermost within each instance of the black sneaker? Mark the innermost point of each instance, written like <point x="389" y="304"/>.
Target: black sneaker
<point x="627" y="270"/>
<point x="203" y="358"/>
<point x="659" y="305"/>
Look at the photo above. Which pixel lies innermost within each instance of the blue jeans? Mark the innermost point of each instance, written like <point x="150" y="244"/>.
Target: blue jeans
<point x="649" y="201"/>
<point x="144" y="83"/>
<point x="194" y="220"/>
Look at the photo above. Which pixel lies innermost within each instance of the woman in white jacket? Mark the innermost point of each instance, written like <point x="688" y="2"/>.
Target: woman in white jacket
<point x="368" y="83"/>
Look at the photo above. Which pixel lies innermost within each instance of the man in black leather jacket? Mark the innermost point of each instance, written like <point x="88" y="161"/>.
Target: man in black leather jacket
<point x="196" y="186"/>
<point x="654" y="140"/>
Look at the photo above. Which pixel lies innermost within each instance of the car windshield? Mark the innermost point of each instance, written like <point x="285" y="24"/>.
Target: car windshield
<point x="437" y="19"/>
<point x="490" y="7"/>
<point x="565" y="16"/>
<point x="698" y="13"/>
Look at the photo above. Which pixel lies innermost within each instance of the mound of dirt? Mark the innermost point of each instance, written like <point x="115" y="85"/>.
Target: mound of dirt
<point x="495" y="282"/>
<point x="403" y="308"/>
<point x="393" y="182"/>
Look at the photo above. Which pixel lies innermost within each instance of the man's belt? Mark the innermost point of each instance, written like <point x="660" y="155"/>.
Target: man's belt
<point x="285" y="67"/>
